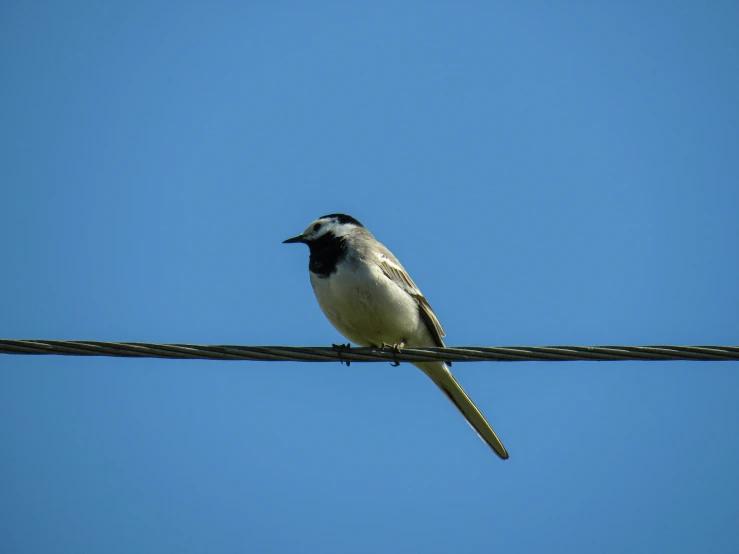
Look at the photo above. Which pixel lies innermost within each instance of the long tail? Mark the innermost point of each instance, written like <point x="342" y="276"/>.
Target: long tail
<point x="440" y="374"/>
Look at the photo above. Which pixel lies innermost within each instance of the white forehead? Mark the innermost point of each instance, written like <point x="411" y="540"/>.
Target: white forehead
<point x="323" y="225"/>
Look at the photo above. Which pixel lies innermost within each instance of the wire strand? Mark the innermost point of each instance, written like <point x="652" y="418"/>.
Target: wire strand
<point x="331" y="354"/>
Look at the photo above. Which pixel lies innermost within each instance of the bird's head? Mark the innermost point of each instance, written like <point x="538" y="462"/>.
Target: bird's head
<point x="333" y="225"/>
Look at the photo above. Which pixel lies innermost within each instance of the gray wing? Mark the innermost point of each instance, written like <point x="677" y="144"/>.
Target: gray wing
<point x="395" y="272"/>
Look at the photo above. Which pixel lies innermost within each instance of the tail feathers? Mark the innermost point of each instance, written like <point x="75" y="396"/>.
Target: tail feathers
<point x="443" y="378"/>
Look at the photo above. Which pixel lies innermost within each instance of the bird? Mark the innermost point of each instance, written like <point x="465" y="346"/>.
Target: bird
<point x="368" y="296"/>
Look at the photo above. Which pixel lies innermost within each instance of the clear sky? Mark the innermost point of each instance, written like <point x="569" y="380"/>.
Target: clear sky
<point x="548" y="172"/>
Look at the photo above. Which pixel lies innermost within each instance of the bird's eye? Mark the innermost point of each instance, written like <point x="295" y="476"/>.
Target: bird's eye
<point x="316" y="226"/>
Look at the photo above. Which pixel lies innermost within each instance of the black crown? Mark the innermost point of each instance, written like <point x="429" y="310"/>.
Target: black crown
<point x="343" y="218"/>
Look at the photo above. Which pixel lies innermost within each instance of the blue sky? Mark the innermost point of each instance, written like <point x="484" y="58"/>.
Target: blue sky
<point x="549" y="173"/>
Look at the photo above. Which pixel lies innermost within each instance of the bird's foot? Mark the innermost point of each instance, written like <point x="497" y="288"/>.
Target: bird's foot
<point x="395" y="348"/>
<point x="340" y="349"/>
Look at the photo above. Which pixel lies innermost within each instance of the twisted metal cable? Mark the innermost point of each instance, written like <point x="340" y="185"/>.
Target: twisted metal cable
<point x="329" y="354"/>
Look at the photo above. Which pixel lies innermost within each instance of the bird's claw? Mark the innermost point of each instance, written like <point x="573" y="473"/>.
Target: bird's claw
<point x="395" y="348"/>
<point x="340" y="349"/>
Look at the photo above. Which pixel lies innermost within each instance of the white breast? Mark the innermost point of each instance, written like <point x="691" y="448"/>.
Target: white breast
<point x="366" y="307"/>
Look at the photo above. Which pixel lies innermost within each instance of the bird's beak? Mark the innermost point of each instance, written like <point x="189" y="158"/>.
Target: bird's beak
<point x="299" y="238"/>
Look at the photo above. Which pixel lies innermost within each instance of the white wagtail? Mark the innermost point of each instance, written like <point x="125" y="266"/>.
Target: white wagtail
<point x="367" y="295"/>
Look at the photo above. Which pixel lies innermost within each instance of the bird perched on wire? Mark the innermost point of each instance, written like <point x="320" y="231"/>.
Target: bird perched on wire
<point x="370" y="299"/>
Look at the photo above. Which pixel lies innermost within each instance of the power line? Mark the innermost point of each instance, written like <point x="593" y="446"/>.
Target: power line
<point x="329" y="354"/>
